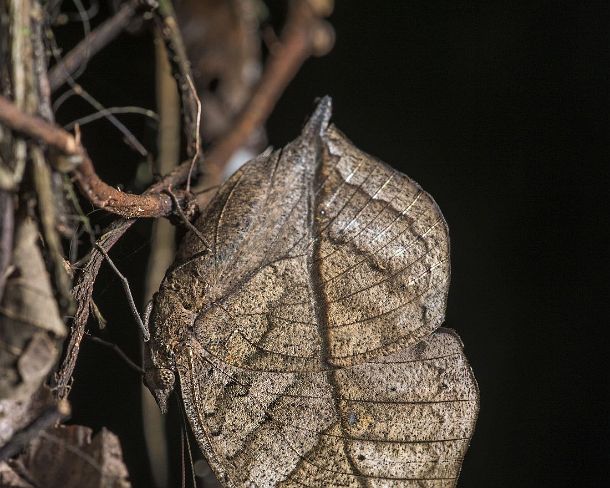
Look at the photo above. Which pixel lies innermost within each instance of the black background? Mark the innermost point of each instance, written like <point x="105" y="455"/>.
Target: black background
<point x="500" y="111"/>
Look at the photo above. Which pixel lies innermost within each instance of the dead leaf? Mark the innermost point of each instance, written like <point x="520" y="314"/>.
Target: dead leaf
<point x="18" y="414"/>
<point x="67" y="457"/>
<point x="10" y="478"/>
<point x="31" y="333"/>
<point x="28" y="296"/>
<point x="301" y="325"/>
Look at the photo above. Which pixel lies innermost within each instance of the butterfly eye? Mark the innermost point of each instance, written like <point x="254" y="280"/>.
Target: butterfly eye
<point x="167" y="378"/>
<point x="160" y="382"/>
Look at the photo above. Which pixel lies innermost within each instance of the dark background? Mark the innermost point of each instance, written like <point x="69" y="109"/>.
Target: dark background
<point x="500" y="111"/>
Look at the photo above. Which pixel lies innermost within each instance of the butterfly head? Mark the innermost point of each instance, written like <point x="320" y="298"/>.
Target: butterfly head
<point x="160" y="382"/>
<point x="159" y="360"/>
<point x="159" y="374"/>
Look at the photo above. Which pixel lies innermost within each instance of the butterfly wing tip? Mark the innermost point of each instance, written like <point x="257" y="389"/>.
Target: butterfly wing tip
<point x="318" y="122"/>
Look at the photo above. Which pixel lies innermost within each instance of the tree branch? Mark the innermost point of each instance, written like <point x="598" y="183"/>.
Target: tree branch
<point x="37" y="128"/>
<point x="181" y="69"/>
<point x="83" y="290"/>
<point x="99" y="193"/>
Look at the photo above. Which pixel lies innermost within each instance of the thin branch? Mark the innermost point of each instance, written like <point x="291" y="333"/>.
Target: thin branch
<point x="83" y="290"/>
<point x="304" y="35"/>
<point x="80" y="15"/>
<point x="130" y="139"/>
<point x="92" y="44"/>
<point x="128" y="205"/>
<point x="85" y="20"/>
<point x="87" y="119"/>
<point x="91" y="186"/>
<point x="36" y="127"/>
<point x="181" y="69"/>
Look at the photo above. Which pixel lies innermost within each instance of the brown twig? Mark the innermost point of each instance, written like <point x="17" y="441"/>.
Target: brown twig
<point x="99" y="193"/>
<point x="102" y="111"/>
<point x="304" y="35"/>
<point x="92" y="44"/>
<point x="37" y="128"/>
<point x="127" y="205"/>
<point x="181" y="69"/>
<point x="82" y="291"/>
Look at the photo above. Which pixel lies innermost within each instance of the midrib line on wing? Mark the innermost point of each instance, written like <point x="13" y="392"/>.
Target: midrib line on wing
<point x="320" y="306"/>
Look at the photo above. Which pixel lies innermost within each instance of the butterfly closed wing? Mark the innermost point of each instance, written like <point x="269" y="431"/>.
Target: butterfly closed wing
<point x="302" y="325"/>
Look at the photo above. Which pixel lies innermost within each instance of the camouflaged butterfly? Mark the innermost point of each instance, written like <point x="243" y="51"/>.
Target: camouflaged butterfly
<point x="302" y="325"/>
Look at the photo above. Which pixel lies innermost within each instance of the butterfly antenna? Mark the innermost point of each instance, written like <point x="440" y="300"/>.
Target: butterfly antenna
<point x="182" y="462"/>
<point x="132" y="303"/>
<point x="118" y="351"/>
<point x="185" y="443"/>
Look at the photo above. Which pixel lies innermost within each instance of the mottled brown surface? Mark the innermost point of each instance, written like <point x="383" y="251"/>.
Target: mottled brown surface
<point x="301" y="327"/>
<point x="31" y="332"/>
<point x="68" y="457"/>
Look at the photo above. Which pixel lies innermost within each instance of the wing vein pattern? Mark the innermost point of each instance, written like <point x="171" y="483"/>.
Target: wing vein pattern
<point x="307" y="341"/>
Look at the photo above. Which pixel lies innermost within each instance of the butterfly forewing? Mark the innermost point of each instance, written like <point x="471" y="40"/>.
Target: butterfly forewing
<point x="309" y="357"/>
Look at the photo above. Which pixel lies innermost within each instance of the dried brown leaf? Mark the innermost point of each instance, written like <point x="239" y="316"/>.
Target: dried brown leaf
<point x="10" y="477"/>
<point x="28" y="297"/>
<point x="67" y="457"/>
<point x="31" y="332"/>
<point x="21" y="411"/>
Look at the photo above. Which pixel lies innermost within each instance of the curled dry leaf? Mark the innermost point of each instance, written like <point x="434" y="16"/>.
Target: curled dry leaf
<point x="302" y="325"/>
<point x="67" y="457"/>
<point x="31" y="333"/>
